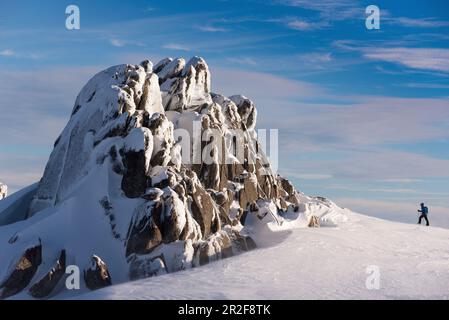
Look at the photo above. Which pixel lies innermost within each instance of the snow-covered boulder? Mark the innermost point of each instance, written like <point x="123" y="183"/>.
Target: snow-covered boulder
<point x="123" y="195"/>
<point x="3" y="191"/>
<point x="184" y="85"/>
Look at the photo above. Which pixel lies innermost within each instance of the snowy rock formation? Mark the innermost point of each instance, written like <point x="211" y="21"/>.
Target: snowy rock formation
<point x="3" y="191"/>
<point x="119" y="200"/>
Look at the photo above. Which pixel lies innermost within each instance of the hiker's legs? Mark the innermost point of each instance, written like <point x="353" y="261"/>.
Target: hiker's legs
<point x="427" y="220"/>
<point x="420" y="218"/>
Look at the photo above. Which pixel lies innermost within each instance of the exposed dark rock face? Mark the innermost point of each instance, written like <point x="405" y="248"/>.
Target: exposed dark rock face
<point x="144" y="233"/>
<point x="224" y="201"/>
<point x="44" y="287"/>
<point x="249" y="193"/>
<point x="97" y="276"/>
<point x="204" y="210"/>
<point x="134" y="182"/>
<point x="23" y="272"/>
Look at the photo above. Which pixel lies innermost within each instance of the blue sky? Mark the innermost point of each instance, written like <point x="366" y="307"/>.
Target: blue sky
<point x="363" y="115"/>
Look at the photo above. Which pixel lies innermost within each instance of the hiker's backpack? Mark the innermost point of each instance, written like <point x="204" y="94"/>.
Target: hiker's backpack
<point x="425" y="210"/>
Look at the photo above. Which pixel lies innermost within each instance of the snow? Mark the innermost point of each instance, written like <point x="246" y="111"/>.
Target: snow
<point x="315" y="263"/>
<point x="3" y="191"/>
<point x="135" y="141"/>
<point x="152" y="98"/>
<point x="15" y="207"/>
<point x="172" y="69"/>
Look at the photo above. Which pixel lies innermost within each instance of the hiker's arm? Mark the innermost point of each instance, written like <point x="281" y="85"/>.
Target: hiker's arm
<point x="419" y="211"/>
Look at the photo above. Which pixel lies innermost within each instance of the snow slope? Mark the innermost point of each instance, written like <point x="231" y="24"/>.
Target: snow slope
<point x="315" y="263"/>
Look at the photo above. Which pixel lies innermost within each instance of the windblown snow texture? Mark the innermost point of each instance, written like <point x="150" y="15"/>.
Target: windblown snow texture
<point x="117" y="200"/>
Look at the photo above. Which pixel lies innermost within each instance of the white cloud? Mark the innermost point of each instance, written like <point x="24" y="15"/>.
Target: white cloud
<point x="419" y="23"/>
<point x="316" y="57"/>
<point x="329" y="10"/>
<point x="118" y="42"/>
<point x="7" y="53"/>
<point x="332" y="9"/>
<point x="304" y="25"/>
<point x="176" y="46"/>
<point x="417" y="58"/>
<point x="212" y="29"/>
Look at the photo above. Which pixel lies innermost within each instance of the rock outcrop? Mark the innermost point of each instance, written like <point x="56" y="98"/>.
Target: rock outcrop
<point x="22" y="273"/>
<point x="44" y="287"/>
<point x="155" y="174"/>
<point x="97" y="276"/>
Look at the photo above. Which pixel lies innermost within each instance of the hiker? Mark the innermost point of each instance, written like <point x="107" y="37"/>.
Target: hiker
<point x="424" y="211"/>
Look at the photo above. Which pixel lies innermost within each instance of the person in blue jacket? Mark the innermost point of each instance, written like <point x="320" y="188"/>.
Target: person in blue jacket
<point x="424" y="211"/>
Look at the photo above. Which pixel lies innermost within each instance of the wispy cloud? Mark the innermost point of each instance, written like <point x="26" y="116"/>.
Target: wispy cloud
<point x="149" y="9"/>
<point x="176" y="46"/>
<point x="417" y="23"/>
<point x="304" y="25"/>
<point x="7" y="53"/>
<point x="426" y="85"/>
<point x="318" y="61"/>
<point x="417" y="58"/>
<point x="243" y="61"/>
<point x="430" y="59"/>
<point x="331" y="10"/>
<point x="209" y="28"/>
<point x="339" y="10"/>
<point x="117" y="42"/>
